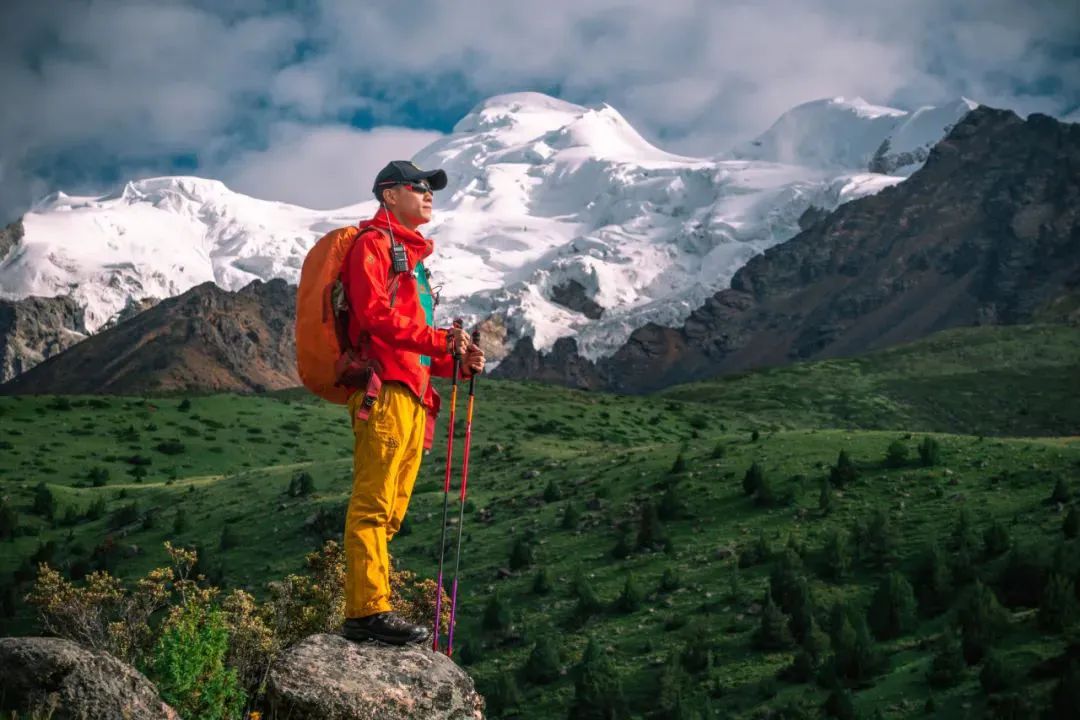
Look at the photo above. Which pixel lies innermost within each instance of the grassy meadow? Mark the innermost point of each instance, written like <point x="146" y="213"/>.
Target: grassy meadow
<point x="673" y="561"/>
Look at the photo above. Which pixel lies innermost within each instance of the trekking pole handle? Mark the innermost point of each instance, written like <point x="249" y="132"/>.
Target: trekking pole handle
<point x="459" y="324"/>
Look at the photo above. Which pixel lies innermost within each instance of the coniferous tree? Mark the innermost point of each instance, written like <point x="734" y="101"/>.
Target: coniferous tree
<point x="844" y="471"/>
<point x="1065" y="697"/>
<point x="964" y="536"/>
<point x="1023" y="577"/>
<point x="672" y="686"/>
<point x="696" y="655"/>
<point x="718" y="451"/>
<point x="543" y="666"/>
<point x="571" y="517"/>
<point x="1071" y="526"/>
<point x="622" y="547"/>
<point x="825" y="498"/>
<point x="180" y="521"/>
<point x="9" y="520"/>
<point x="672" y="506"/>
<point x="757" y="553"/>
<point x="855" y="659"/>
<point x="97" y="509"/>
<point x="881" y="540"/>
<point x="541" y="582"/>
<point x="598" y="693"/>
<point x="630" y="598"/>
<point x="552" y="493"/>
<point x="679" y="466"/>
<point x="496" y="614"/>
<point x="892" y="609"/>
<point x="933" y="582"/>
<point x="897" y="454"/>
<point x="996" y="539"/>
<point x="669" y="581"/>
<point x="784" y="580"/>
<point x="44" y="502"/>
<point x="773" y="633"/>
<point x="982" y="620"/>
<point x="589" y="602"/>
<point x="228" y="539"/>
<point x="997" y="675"/>
<point x="752" y="479"/>
<point x="521" y="554"/>
<point x="1058" y="610"/>
<point x="837" y="555"/>
<point x="802" y="612"/>
<point x="650" y="531"/>
<point x="765" y="496"/>
<point x="929" y="452"/>
<point x="505" y="696"/>
<point x="838" y="705"/>
<point x="1061" y="492"/>
<point x="948" y="666"/>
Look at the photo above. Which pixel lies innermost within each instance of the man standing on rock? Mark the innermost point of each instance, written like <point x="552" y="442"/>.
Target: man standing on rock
<point x="391" y="311"/>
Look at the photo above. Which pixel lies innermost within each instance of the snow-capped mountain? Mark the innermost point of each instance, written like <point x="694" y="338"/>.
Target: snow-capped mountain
<point x="558" y="219"/>
<point x="853" y="134"/>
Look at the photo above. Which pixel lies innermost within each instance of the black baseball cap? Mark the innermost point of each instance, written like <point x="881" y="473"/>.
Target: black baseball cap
<point x="403" y="171"/>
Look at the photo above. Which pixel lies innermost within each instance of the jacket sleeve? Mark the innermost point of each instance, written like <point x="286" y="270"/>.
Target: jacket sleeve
<point x="366" y="284"/>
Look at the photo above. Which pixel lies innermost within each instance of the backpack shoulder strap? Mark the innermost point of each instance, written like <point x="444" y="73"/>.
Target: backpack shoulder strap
<point x="341" y="302"/>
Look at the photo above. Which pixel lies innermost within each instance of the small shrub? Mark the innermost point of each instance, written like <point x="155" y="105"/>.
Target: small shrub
<point x="752" y="479"/>
<point x="947" y="667"/>
<point x="844" y="472"/>
<point x="189" y="668"/>
<point x="171" y="447"/>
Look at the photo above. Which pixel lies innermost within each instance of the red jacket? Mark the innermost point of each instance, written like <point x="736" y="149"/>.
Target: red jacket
<point x="401" y="336"/>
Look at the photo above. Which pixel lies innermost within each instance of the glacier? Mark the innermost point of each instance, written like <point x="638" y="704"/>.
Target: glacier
<point x="545" y="197"/>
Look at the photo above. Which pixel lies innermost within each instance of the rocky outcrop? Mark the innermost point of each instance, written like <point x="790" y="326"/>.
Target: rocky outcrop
<point x="563" y="365"/>
<point x="64" y="681"/>
<point x="326" y="677"/>
<point x="986" y="232"/>
<point x="34" y="329"/>
<point x="572" y="295"/>
<point x="206" y="339"/>
<point x="10" y="237"/>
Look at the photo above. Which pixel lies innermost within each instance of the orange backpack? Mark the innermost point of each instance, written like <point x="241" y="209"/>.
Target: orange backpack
<point x="330" y="365"/>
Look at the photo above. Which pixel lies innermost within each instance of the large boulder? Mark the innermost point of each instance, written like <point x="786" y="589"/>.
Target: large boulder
<point x="326" y="677"/>
<point x="37" y="673"/>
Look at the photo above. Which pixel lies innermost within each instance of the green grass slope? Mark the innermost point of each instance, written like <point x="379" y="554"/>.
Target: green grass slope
<point x="126" y="474"/>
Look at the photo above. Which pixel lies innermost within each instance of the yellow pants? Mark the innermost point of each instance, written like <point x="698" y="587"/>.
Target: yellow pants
<point x="386" y="458"/>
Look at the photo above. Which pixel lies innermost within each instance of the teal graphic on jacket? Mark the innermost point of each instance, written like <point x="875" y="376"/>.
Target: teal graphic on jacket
<point x="423" y="289"/>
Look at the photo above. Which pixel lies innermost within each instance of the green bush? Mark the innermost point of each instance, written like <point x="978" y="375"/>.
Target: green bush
<point x="897" y="454"/>
<point x="171" y="447"/>
<point x="188" y="666"/>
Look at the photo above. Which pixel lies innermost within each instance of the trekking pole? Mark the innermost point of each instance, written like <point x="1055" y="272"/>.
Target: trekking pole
<point x="446" y="492"/>
<point x="461" y="509"/>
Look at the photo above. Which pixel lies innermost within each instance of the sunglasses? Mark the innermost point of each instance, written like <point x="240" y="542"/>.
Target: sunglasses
<point x="418" y="187"/>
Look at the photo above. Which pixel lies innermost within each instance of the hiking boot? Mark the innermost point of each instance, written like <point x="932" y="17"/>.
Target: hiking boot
<point x="388" y="627"/>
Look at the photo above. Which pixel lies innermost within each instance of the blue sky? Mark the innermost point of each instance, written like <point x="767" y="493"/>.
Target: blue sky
<point x="302" y="100"/>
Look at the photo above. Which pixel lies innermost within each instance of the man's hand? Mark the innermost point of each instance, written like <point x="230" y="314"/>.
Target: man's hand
<point x="474" y="360"/>
<point x="458" y="341"/>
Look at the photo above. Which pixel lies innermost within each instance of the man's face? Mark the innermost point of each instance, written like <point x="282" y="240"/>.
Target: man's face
<point x="410" y="202"/>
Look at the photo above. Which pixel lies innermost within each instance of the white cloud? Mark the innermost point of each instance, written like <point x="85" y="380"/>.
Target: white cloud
<point x="132" y="82"/>
<point x="321" y="167"/>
